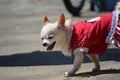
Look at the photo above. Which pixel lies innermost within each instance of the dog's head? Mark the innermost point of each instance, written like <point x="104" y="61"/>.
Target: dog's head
<point x="52" y="34"/>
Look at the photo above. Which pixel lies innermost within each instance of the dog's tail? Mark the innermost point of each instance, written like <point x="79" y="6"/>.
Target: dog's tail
<point x="117" y="7"/>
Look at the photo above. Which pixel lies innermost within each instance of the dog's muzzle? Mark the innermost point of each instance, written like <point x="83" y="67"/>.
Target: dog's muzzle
<point x="49" y="47"/>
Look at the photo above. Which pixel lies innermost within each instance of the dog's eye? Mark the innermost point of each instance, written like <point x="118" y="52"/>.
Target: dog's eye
<point x="42" y="38"/>
<point x="50" y="37"/>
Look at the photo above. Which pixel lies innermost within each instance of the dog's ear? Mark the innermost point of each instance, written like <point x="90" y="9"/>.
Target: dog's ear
<point x="61" y="20"/>
<point x="45" y="20"/>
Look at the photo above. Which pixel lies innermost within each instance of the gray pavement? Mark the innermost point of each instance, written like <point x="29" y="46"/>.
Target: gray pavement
<point x="22" y="56"/>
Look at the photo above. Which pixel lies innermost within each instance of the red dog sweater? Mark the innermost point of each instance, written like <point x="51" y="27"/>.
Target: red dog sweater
<point x="94" y="36"/>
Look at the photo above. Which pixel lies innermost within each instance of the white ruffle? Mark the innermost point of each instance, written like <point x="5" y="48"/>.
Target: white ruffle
<point x="110" y="38"/>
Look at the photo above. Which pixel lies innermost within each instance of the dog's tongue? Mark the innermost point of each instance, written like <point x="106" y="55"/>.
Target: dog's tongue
<point x="49" y="48"/>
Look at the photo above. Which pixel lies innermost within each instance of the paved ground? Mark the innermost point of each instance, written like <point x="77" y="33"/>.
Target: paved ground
<point x="21" y="54"/>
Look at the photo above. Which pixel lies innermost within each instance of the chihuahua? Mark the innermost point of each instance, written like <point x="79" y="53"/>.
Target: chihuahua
<point x="89" y="37"/>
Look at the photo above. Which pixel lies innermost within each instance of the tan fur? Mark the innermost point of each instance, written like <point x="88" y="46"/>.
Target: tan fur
<point x="45" y="21"/>
<point x="60" y="31"/>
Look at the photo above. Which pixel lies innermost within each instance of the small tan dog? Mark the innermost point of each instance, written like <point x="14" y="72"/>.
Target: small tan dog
<point x="89" y="37"/>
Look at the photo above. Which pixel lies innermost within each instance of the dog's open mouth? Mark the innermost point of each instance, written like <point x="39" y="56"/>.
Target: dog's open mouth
<point x="50" y="47"/>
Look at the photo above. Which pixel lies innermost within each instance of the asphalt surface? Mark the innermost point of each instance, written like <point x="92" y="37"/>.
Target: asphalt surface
<point x="22" y="56"/>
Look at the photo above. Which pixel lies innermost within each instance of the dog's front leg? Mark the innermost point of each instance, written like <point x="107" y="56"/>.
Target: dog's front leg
<point x="77" y="63"/>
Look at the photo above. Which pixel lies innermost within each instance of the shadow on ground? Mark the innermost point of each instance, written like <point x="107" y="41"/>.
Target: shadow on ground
<point x="38" y="58"/>
<point x="107" y="71"/>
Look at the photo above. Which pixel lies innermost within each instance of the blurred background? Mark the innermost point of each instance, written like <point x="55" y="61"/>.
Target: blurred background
<point x="21" y="22"/>
<point x="21" y="51"/>
<point x="75" y="6"/>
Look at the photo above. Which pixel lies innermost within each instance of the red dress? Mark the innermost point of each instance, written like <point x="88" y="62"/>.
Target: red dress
<point x="91" y="35"/>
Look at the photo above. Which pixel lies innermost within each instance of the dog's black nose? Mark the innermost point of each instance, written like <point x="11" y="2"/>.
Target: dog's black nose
<point x="44" y="44"/>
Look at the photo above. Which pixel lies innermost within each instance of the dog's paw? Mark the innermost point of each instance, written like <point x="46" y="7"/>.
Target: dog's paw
<point x="68" y="74"/>
<point x="96" y="69"/>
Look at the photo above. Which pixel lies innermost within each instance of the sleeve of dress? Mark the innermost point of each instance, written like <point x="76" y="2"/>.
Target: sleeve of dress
<point x="83" y="43"/>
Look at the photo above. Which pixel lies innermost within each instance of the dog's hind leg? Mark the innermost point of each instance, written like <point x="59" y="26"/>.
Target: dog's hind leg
<point x="77" y="63"/>
<point x="95" y="59"/>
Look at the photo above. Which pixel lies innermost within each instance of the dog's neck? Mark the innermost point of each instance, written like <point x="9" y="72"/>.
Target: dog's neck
<point x="65" y="47"/>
